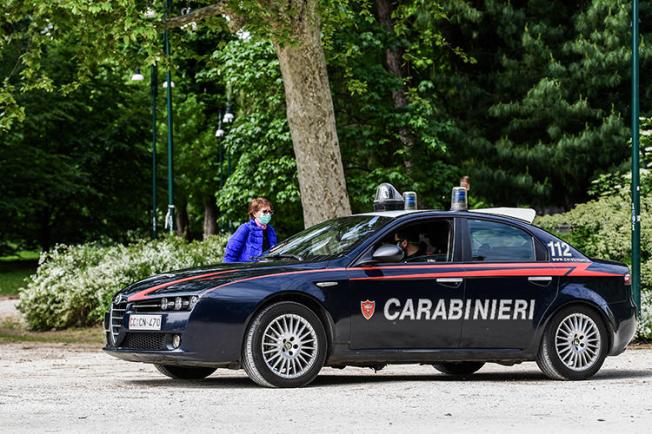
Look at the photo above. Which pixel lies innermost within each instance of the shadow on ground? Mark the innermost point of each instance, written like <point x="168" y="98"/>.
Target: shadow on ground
<point x="326" y="380"/>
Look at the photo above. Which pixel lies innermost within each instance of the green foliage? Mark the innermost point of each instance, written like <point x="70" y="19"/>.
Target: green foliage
<point x="258" y="144"/>
<point x="602" y="229"/>
<point x="380" y="141"/>
<point x="73" y="285"/>
<point x="545" y="108"/>
<point x="619" y="178"/>
<point x="72" y="169"/>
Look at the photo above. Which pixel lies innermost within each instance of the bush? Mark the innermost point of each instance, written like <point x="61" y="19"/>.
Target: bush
<point x="73" y="285"/>
<point x="602" y="229"/>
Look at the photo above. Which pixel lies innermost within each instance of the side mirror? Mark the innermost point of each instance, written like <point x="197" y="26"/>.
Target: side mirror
<point x="387" y="253"/>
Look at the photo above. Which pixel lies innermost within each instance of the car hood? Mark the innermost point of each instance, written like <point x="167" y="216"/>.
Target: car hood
<point x="197" y="280"/>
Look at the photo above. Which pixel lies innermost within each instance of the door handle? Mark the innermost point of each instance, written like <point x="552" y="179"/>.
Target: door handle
<point x="540" y="279"/>
<point x="326" y="284"/>
<point x="450" y="281"/>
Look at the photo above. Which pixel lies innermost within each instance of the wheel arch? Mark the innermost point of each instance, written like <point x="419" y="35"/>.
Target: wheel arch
<point x="603" y="313"/>
<point x="304" y="299"/>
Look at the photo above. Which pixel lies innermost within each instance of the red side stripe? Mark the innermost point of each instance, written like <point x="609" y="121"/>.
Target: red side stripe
<point x="141" y="295"/>
<point x="285" y="273"/>
<point x="579" y="270"/>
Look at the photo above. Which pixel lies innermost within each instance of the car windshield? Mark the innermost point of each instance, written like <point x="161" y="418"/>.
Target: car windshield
<point x="329" y="239"/>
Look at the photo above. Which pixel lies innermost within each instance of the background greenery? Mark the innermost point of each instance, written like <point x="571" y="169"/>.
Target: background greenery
<point x="74" y="285"/>
<point x="530" y="98"/>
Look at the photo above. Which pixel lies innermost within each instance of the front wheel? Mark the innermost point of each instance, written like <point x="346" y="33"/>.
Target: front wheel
<point x="574" y="344"/>
<point x="458" y="368"/>
<point x="185" y="372"/>
<point x="285" y="346"/>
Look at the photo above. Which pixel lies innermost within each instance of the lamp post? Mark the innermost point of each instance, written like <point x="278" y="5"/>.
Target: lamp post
<point x="153" y="85"/>
<point x="636" y="188"/>
<point x="169" y="216"/>
<point x="139" y="77"/>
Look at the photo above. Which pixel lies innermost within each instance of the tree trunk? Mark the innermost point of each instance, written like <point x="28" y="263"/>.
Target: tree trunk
<point x="182" y="219"/>
<point x="311" y="119"/>
<point x="393" y="58"/>
<point x="210" y="216"/>
<point x="45" y="229"/>
<point x="308" y="97"/>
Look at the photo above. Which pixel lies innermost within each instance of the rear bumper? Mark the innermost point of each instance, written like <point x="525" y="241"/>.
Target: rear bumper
<point x="624" y="326"/>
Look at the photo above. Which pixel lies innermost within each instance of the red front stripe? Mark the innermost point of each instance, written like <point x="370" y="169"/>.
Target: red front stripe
<point x="141" y="295"/>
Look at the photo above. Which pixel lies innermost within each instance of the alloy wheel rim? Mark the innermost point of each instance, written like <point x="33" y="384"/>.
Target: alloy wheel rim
<point x="577" y="342"/>
<point x="289" y="346"/>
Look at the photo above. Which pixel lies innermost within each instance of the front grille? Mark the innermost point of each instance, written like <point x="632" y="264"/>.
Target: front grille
<point x="145" y="341"/>
<point x="147" y="306"/>
<point x="115" y="319"/>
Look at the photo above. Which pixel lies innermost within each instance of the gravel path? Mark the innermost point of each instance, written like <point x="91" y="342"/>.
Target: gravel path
<point x="8" y="308"/>
<point x="64" y="389"/>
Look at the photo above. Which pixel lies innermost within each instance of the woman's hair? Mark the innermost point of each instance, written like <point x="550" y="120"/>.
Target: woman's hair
<point x="256" y="204"/>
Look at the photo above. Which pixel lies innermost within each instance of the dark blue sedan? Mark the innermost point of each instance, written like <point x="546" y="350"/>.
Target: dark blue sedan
<point x="452" y="289"/>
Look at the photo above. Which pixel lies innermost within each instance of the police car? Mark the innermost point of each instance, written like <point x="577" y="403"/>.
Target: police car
<point x="455" y="289"/>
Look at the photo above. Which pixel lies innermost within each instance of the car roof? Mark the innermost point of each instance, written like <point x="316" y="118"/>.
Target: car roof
<point x="520" y="215"/>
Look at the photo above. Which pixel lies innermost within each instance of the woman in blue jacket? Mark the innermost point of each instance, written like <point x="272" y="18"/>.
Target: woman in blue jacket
<point x="253" y="237"/>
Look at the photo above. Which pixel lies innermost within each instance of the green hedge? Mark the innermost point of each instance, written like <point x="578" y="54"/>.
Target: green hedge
<point x="602" y="229"/>
<point x="73" y="285"/>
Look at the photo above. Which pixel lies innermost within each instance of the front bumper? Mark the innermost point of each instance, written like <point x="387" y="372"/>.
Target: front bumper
<point x="174" y="357"/>
<point x="203" y="340"/>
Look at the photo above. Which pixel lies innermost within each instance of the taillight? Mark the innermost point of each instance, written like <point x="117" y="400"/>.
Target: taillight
<point x="628" y="279"/>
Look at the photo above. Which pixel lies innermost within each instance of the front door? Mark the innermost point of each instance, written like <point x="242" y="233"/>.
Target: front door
<point x="415" y="304"/>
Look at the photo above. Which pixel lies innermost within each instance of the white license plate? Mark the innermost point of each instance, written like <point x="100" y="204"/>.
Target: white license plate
<point x="145" y="322"/>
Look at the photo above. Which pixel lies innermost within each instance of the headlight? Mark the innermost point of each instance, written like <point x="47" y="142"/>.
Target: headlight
<point x="164" y="304"/>
<point x="178" y="303"/>
<point x="193" y="301"/>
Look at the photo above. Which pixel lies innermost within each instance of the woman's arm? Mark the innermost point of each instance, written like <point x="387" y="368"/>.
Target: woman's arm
<point x="236" y="243"/>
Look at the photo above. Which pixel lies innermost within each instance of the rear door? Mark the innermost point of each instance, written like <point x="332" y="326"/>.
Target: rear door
<point x="509" y="285"/>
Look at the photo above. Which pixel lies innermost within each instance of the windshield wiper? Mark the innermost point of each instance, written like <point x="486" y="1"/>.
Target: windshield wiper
<point x="283" y="256"/>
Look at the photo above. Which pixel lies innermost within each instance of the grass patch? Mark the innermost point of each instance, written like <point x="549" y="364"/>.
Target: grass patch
<point x="12" y="331"/>
<point x="23" y="255"/>
<point x="13" y="275"/>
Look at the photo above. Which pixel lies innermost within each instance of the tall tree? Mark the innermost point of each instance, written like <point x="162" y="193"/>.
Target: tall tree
<point x="293" y="26"/>
<point x="545" y="109"/>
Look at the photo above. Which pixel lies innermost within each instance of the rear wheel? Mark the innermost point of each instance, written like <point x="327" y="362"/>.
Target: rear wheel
<point x="185" y="372"/>
<point x="574" y="344"/>
<point x="285" y="346"/>
<point x="458" y="368"/>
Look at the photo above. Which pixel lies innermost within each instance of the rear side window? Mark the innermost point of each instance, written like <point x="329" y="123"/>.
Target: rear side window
<point x="498" y="242"/>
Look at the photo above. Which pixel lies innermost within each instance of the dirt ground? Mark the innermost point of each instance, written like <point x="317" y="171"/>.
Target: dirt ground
<point x="58" y="388"/>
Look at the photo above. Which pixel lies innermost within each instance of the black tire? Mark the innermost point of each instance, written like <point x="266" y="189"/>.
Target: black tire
<point x="458" y="368"/>
<point x="567" y="352"/>
<point x="293" y="358"/>
<point x="185" y="372"/>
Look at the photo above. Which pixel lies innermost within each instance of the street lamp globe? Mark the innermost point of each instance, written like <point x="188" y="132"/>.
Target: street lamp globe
<point x="219" y="132"/>
<point x="165" y="84"/>
<point x="228" y="117"/>
<point x="150" y="14"/>
<point x="137" y="76"/>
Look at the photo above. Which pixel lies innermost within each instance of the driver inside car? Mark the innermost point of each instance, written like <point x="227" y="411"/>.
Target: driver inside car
<point x="409" y="242"/>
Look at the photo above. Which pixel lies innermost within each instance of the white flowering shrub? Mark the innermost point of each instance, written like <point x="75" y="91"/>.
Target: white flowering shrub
<point x="73" y="285"/>
<point x="602" y="229"/>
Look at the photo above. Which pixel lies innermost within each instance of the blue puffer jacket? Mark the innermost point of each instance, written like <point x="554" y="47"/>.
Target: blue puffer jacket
<point x="247" y="242"/>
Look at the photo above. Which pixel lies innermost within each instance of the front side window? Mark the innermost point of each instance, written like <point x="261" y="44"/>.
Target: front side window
<point x="330" y="239"/>
<point x="499" y="242"/>
<point x="426" y="241"/>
